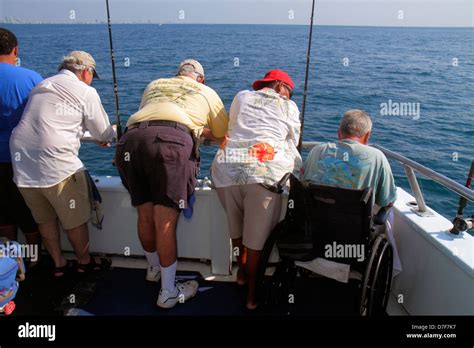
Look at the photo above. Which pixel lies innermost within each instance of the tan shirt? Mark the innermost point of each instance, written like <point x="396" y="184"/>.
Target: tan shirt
<point x="184" y="100"/>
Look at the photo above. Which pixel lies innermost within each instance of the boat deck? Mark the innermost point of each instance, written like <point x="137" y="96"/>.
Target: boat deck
<point x="122" y="290"/>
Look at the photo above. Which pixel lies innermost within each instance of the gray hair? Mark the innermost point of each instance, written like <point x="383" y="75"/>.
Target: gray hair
<point x="355" y="123"/>
<point x="188" y="70"/>
<point x="71" y="63"/>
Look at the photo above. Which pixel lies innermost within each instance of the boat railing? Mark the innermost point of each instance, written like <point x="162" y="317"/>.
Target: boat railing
<point x="411" y="167"/>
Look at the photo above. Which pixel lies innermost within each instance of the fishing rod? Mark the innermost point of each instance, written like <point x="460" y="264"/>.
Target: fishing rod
<point x="305" y="92"/>
<point x="112" y="57"/>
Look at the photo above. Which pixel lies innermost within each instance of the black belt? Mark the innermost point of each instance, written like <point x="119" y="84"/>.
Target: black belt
<point x="164" y="123"/>
<point x="172" y="124"/>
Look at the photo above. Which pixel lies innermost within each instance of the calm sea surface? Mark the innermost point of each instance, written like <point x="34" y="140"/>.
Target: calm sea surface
<point x="352" y="67"/>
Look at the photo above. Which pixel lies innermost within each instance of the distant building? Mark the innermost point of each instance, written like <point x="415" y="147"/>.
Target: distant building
<point x="9" y="20"/>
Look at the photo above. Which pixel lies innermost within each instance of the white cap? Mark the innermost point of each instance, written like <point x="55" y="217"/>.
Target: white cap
<point x="195" y="64"/>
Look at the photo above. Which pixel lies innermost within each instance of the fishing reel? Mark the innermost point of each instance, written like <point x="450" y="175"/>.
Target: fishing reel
<point x="461" y="224"/>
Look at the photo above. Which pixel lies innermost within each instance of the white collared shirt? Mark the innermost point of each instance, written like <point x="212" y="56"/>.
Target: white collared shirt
<point x="45" y="144"/>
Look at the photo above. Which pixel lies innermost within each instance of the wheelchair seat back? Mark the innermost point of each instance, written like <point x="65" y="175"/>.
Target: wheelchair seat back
<point x="328" y="222"/>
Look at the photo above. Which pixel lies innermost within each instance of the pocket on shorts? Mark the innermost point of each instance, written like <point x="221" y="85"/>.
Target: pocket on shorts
<point x="171" y="148"/>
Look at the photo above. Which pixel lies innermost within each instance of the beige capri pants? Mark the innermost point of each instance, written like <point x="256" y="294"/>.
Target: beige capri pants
<point x="252" y="212"/>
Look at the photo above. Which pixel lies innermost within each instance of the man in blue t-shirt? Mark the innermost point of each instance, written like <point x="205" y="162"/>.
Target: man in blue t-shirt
<point x="352" y="163"/>
<point x="16" y="84"/>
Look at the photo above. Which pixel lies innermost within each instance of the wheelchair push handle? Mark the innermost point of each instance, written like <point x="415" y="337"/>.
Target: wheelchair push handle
<point x="283" y="180"/>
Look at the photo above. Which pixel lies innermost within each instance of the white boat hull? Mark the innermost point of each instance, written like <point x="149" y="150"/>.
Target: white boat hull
<point x="438" y="269"/>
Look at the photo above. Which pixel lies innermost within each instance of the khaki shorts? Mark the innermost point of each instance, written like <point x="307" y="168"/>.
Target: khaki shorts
<point x="252" y="212"/>
<point x="69" y="201"/>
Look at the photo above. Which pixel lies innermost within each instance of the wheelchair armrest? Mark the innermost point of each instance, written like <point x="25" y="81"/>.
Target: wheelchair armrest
<point x="382" y="216"/>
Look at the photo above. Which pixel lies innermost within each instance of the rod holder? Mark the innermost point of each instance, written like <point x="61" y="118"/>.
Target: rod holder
<point x="421" y="210"/>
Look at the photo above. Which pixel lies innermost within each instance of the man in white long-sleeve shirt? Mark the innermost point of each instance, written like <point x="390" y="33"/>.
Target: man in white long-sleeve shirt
<point x="47" y="169"/>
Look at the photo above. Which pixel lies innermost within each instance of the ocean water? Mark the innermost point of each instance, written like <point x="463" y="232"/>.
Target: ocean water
<point x="352" y="67"/>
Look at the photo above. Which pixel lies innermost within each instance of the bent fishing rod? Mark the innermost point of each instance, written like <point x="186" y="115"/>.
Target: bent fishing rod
<point x="305" y="91"/>
<point x="112" y="57"/>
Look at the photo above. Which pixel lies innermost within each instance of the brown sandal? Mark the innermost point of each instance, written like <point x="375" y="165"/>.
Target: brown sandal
<point x="93" y="266"/>
<point x="63" y="269"/>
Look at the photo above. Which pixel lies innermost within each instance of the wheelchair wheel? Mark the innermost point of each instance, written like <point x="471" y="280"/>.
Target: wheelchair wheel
<point x="377" y="279"/>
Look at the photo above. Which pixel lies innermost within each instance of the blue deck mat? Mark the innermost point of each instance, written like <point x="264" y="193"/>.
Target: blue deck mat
<point x="122" y="291"/>
<point x="126" y="292"/>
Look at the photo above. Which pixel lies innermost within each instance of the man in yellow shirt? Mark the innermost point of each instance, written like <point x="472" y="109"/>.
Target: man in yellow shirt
<point x="158" y="162"/>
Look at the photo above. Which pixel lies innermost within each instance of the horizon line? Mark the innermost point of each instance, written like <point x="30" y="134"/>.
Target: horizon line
<point x="276" y="24"/>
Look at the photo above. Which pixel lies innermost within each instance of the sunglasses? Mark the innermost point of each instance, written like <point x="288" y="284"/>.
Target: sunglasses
<point x="91" y="70"/>
<point x="290" y="91"/>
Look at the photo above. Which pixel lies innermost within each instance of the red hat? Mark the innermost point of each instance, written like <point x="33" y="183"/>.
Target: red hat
<point x="274" y="75"/>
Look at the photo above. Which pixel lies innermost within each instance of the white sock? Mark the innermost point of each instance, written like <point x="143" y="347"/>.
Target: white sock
<point x="168" y="276"/>
<point x="152" y="258"/>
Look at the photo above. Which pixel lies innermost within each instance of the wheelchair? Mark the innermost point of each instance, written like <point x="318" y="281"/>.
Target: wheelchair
<point x="318" y="216"/>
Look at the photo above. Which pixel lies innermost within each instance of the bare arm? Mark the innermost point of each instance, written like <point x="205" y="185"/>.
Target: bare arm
<point x="207" y="135"/>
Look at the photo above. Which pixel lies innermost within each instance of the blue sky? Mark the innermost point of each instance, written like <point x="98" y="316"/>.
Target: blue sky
<point x="328" y="12"/>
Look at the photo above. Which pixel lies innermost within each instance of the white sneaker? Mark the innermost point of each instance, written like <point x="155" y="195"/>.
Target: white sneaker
<point x="153" y="273"/>
<point x="182" y="292"/>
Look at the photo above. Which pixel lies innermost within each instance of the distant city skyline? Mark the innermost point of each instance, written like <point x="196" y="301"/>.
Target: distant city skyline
<point x="404" y="13"/>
